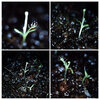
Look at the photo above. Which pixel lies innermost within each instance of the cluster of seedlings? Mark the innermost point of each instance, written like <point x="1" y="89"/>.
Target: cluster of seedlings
<point x="67" y="67"/>
<point x="74" y="75"/>
<point x="26" y="70"/>
<point x="28" y="79"/>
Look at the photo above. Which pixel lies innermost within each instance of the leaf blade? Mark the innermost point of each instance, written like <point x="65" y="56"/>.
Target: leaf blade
<point x="17" y="31"/>
<point x="86" y="25"/>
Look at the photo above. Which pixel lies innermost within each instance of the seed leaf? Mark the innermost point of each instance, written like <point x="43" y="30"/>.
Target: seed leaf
<point x="86" y="25"/>
<point x="17" y="31"/>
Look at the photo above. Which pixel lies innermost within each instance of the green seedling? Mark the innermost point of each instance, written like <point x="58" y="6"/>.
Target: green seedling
<point x="25" y="70"/>
<point x="82" y="23"/>
<point x="86" y="75"/>
<point x="39" y="68"/>
<point x="66" y="65"/>
<point x="30" y="88"/>
<point x="22" y="88"/>
<point x="35" y="61"/>
<point x="26" y="86"/>
<point x="25" y="32"/>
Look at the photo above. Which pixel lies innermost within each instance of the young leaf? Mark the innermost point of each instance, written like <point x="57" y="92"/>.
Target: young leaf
<point x="29" y="31"/>
<point x="86" y="75"/>
<point x="66" y="65"/>
<point x="17" y="31"/>
<point x="86" y="25"/>
<point x="71" y="70"/>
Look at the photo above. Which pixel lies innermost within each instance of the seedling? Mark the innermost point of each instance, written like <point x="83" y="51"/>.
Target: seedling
<point x="86" y="75"/>
<point x="40" y="66"/>
<point x="82" y="23"/>
<point x="30" y="88"/>
<point x="25" y="32"/>
<point x="66" y="64"/>
<point x="25" y="70"/>
<point x="24" y="88"/>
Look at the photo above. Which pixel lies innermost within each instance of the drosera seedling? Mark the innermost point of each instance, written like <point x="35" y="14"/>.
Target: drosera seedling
<point x="26" y="31"/>
<point x="86" y="75"/>
<point x="66" y="65"/>
<point x="24" y="88"/>
<point x="82" y="23"/>
<point x="30" y="88"/>
<point x="39" y="67"/>
<point x="25" y="70"/>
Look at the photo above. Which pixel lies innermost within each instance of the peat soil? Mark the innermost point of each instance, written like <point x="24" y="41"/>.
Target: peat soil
<point x="73" y="87"/>
<point x="25" y="75"/>
<point x="65" y="25"/>
<point x="13" y="17"/>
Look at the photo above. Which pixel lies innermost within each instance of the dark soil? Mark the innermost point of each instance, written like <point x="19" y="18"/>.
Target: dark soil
<point x="65" y="26"/>
<point x="72" y="87"/>
<point x="16" y="84"/>
<point x="13" y="17"/>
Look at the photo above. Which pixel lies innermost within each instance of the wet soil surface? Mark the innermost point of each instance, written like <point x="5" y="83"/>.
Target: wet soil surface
<point x="65" y="25"/>
<point x="25" y="75"/>
<point x="74" y="86"/>
<point x="13" y="17"/>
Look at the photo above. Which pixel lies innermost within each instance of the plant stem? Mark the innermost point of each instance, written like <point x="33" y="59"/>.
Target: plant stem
<point x="25" y="70"/>
<point x="65" y="75"/>
<point x="24" y="38"/>
<point x="83" y="79"/>
<point x="82" y="24"/>
<point x="25" y="22"/>
<point x="86" y="75"/>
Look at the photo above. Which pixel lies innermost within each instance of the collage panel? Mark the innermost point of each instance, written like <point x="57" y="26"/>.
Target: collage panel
<point x="25" y="74"/>
<point x="74" y="25"/>
<point x="74" y="74"/>
<point x="25" y="25"/>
